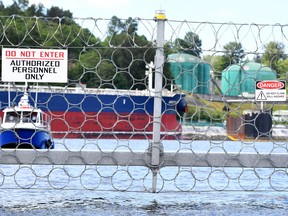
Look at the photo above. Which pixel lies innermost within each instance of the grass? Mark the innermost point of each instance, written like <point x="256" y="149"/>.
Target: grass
<point x="216" y="111"/>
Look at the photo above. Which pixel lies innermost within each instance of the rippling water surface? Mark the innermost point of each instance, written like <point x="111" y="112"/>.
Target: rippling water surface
<point x="79" y="201"/>
<point x="38" y="202"/>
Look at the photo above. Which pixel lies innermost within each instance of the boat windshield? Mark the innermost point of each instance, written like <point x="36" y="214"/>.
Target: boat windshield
<point x="15" y="117"/>
<point x="12" y="117"/>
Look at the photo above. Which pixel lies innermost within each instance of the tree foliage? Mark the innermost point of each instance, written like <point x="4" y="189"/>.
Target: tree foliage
<point x="191" y="44"/>
<point x="117" y="26"/>
<point x="275" y="57"/>
<point x="233" y="54"/>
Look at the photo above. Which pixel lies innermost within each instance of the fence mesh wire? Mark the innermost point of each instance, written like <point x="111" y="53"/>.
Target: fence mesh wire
<point x="226" y="140"/>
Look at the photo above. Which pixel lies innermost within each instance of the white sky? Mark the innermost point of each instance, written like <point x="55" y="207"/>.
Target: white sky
<point x="239" y="11"/>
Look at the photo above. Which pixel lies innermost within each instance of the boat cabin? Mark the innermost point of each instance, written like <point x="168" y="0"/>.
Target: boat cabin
<point x="13" y="116"/>
<point x="16" y="117"/>
<point x="25" y="126"/>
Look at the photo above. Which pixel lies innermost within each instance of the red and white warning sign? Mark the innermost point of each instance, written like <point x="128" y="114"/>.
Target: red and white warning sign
<point x="34" y="65"/>
<point x="270" y="90"/>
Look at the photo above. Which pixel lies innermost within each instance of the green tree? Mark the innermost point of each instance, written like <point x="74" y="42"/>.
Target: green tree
<point x="218" y="63"/>
<point x="283" y="69"/>
<point x="2" y="7"/>
<point x="274" y="55"/>
<point x="191" y="44"/>
<point x="128" y="61"/>
<point x="257" y="58"/>
<point x="131" y="26"/>
<point x="23" y="4"/>
<point x="117" y="26"/>
<point x="35" y="10"/>
<point x="13" y="9"/>
<point x="234" y="52"/>
<point x="55" y="11"/>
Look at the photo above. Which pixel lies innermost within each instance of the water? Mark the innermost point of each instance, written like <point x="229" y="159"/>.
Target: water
<point x="73" y="202"/>
<point x="74" y="197"/>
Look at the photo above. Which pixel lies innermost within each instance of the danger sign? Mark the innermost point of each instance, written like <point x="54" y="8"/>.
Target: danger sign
<point x="270" y="90"/>
<point x="34" y="65"/>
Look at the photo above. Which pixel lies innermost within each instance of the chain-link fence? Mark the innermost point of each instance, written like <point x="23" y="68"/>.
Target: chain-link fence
<point x="150" y="105"/>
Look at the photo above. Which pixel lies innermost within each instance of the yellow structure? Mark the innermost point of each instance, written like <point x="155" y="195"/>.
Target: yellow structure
<point x="160" y="15"/>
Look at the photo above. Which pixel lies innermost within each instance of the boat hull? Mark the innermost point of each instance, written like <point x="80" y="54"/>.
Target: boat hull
<point x="26" y="138"/>
<point x="78" y="115"/>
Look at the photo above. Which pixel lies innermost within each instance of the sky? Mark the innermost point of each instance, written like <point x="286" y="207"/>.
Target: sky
<point x="243" y="11"/>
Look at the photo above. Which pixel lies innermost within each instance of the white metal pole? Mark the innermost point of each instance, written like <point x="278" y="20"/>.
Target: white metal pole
<point x="159" y="62"/>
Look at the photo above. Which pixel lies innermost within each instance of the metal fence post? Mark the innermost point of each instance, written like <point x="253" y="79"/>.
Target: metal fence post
<point x="159" y="62"/>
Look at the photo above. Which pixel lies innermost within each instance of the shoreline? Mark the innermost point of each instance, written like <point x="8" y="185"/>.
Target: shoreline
<point x="220" y="133"/>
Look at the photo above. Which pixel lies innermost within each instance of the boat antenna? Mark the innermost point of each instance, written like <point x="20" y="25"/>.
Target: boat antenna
<point x="9" y="92"/>
<point x="36" y="96"/>
<point x="26" y="87"/>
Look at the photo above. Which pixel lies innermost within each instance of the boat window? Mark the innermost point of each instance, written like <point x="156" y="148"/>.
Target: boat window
<point x="12" y="117"/>
<point x="25" y="116"/>
<point x="34" y="117"/>
<point x="29" y="117"/>
<point x="41" y="118"/>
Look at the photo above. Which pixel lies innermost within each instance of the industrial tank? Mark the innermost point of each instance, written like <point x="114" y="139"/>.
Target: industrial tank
<point x="252" y="71"/>
<point x="240" y="79"/>
<point x="190" y="72"/>
<point x="231" y="78"/>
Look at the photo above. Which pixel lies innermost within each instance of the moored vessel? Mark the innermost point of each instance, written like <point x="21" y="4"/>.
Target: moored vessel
<point x="25" y="126"/>
<point x="79" y="112"/>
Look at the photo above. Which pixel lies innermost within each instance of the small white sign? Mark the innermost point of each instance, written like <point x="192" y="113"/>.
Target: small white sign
<point x="270" y="90"/>
<point x="34" y="65"/>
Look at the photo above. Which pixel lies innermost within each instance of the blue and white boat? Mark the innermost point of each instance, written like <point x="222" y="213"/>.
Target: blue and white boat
<point x="25" y="126"/>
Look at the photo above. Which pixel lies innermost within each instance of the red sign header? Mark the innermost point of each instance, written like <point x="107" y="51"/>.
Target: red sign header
<point x="271" y="84"/>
